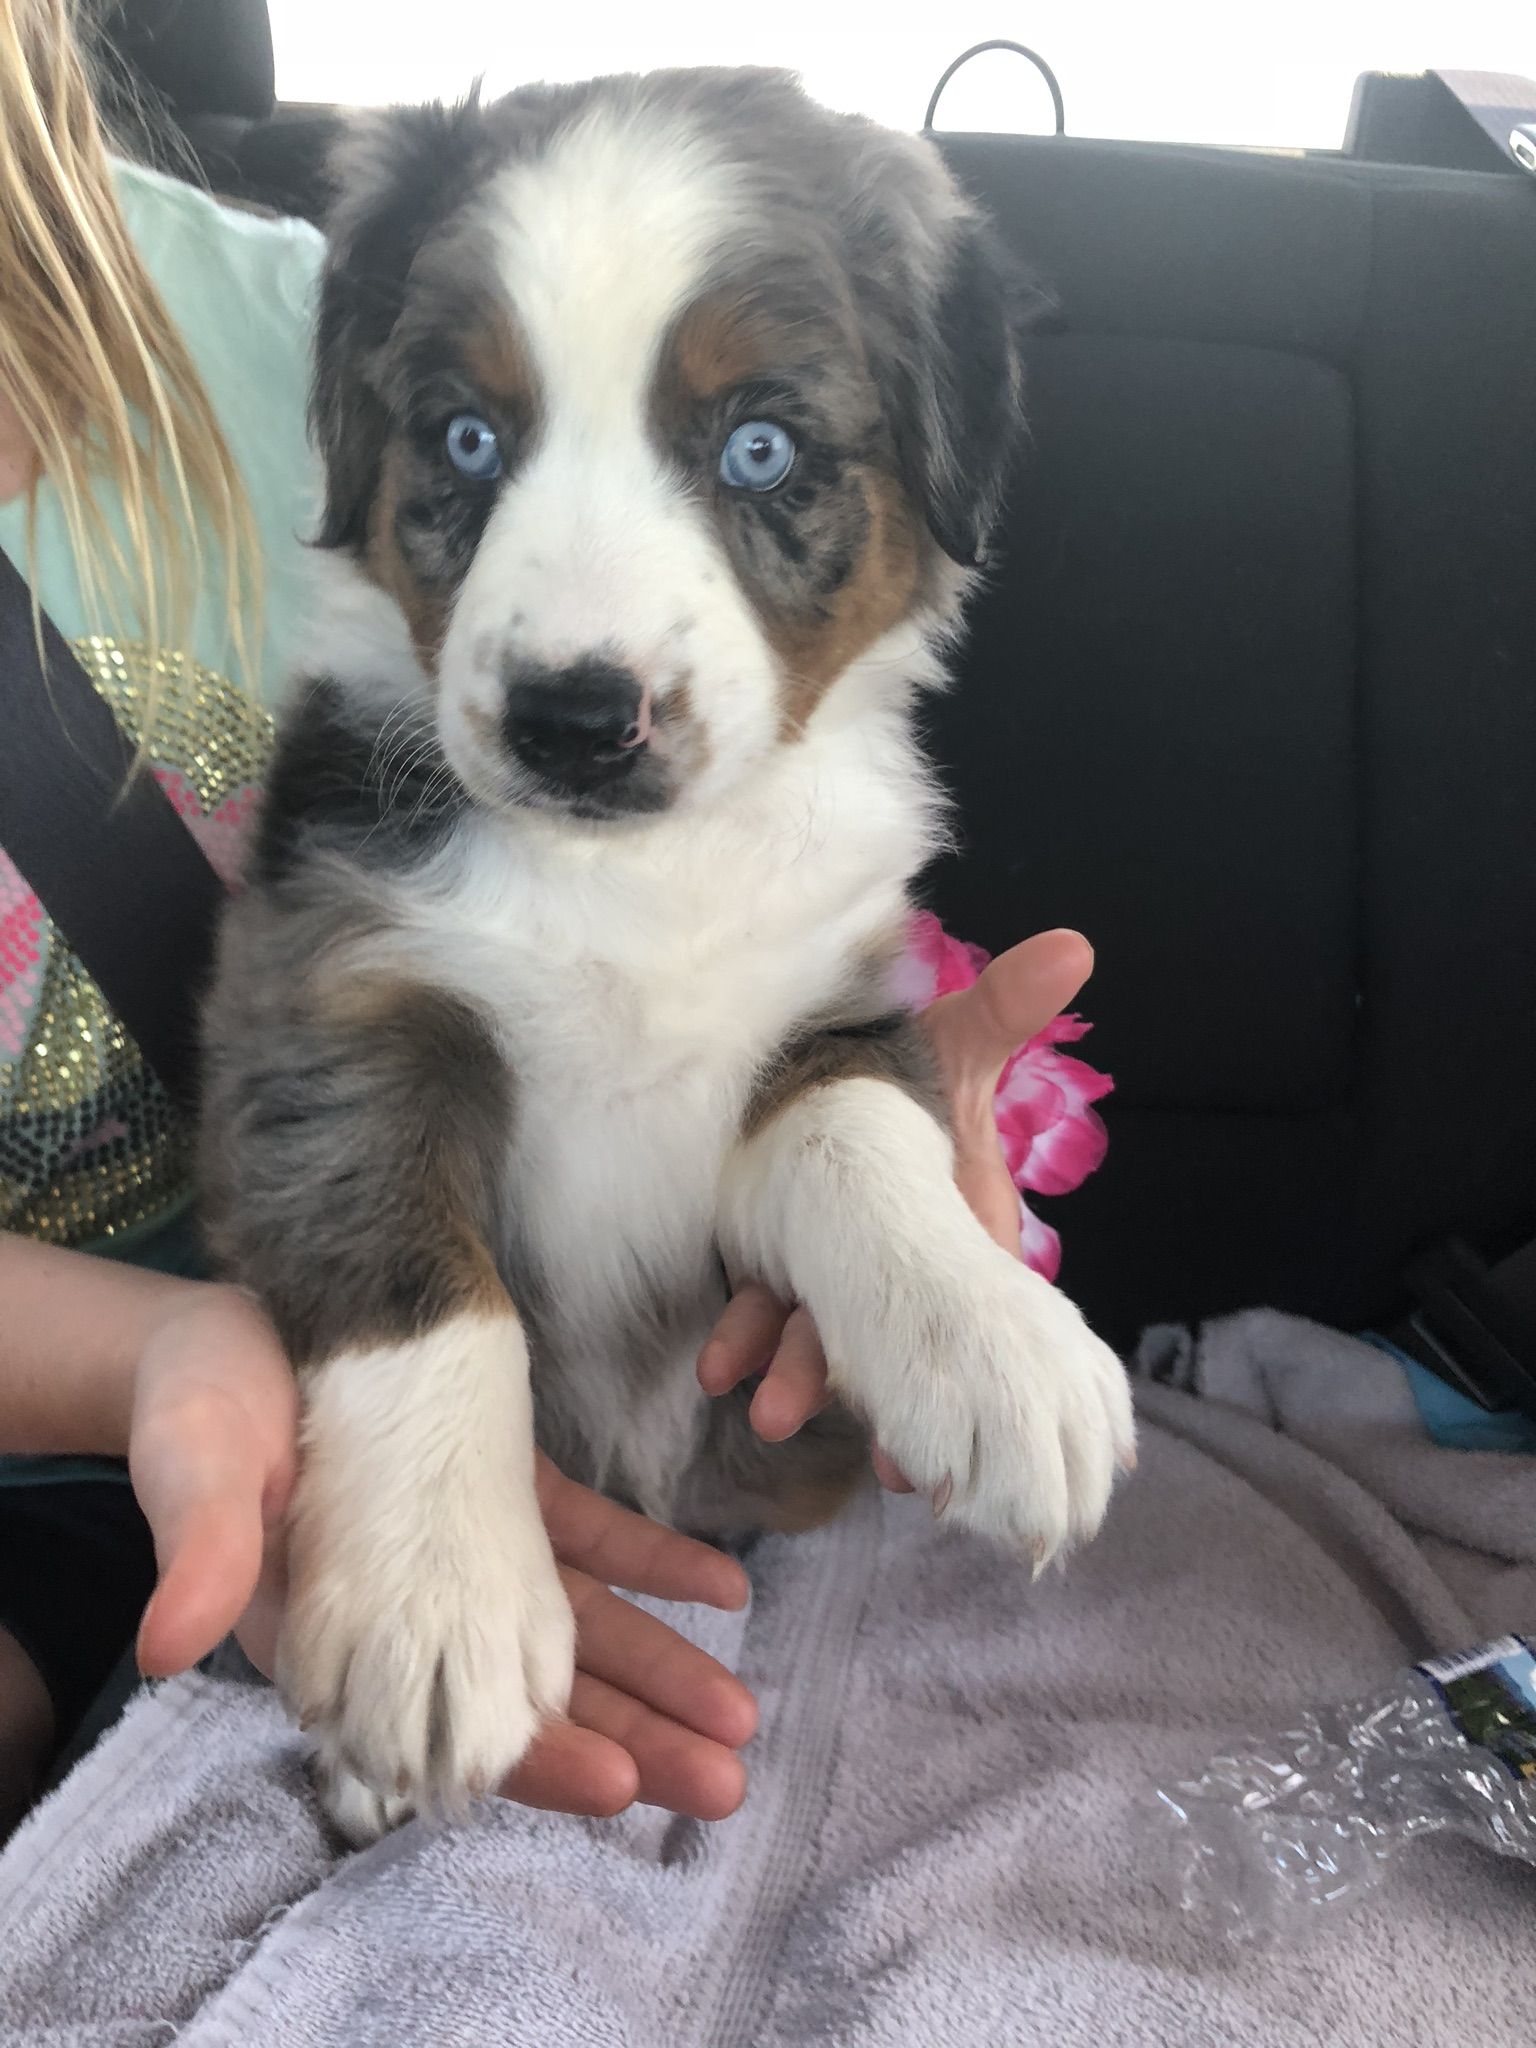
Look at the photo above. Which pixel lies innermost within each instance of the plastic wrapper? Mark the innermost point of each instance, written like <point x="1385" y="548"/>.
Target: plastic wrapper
<point x="1273" y="1836"/>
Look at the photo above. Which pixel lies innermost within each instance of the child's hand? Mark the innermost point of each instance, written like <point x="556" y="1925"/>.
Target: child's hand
<point x="974" y="1033"/>
<point x="212" y="1455"/>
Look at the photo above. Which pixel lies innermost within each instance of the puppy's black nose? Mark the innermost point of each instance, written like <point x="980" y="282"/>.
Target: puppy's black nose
<point x="577" y="729"/>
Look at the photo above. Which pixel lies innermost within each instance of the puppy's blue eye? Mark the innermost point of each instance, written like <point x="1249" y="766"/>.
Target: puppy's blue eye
<point x="757" y="457"/>
<point x="473" y="448"/>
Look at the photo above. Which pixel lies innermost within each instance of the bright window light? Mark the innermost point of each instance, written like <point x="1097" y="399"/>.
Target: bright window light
<point x="1188" y="71"/>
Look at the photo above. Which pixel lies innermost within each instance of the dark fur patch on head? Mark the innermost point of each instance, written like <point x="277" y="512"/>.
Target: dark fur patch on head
<point x="496" y="357"/>
<point x="398" y="174"/>
<point x="722" y="340"/>
<point x="458" y="353"/>
<point x="830" y="559"/>
<point x="408" y="340"/>
<point x="876" y="594"/>
<point x="423" y="599"/>
<point x="873" y="221"/>
<point x="871" y="312"/>
<point x="956" y="381"/>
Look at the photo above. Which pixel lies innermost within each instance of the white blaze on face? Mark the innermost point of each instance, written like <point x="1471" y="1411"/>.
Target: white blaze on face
<point x="596" y="550"/>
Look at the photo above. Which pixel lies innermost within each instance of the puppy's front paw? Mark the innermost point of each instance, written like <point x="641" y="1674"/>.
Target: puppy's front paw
<point x="427" y="1633"/>
<point x="425" y="1687"/>
<point x="423" y="1676"/>
<point x="996" y="1398"/>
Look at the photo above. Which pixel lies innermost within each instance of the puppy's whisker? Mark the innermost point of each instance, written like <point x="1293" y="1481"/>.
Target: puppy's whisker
<point x="435" y="790"/>
<point x="395" y="721"/>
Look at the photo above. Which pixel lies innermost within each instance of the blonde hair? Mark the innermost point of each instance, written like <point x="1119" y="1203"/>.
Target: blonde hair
<point x="102" y="383"/>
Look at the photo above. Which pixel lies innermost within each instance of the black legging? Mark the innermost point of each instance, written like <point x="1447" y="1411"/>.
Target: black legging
<point x="76" y="1568"/>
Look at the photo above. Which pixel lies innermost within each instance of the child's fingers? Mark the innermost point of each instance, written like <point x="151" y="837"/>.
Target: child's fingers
<point x="647" y="1660"/>
<point x="743" y="1340"/>
<point x="622" y="1548"/>
<point x="677" y="1769"/>
<point x="615" y="1749"/>
<point x="572" y="1769"/>
<point x="794" y="1387"/>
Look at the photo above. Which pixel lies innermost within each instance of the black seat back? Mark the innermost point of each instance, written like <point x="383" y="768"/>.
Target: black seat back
<point x="1252" y="701"/>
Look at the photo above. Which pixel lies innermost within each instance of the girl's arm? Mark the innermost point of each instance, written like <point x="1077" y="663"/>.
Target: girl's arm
<point x="72" y="1328"/>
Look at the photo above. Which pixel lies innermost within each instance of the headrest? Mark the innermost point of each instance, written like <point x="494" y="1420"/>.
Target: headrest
<point x="204" y="57"/>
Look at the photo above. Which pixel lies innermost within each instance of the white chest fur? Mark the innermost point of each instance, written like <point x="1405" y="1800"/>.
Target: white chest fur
<point x="638" y="979"/>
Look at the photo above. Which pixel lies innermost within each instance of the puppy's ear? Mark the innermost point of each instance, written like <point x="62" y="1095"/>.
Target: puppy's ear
<point x="395" y="175"/>
<point x="945" y="308"/>
<point x="958" y="412"/>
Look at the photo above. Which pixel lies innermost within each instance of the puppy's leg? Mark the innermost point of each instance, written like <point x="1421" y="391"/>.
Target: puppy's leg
<point x="980" y="1379"/>
<point x="426" y="1630"/>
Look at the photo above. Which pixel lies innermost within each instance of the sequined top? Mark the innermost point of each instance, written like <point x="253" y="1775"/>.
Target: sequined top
<point x="91" y="1150"/>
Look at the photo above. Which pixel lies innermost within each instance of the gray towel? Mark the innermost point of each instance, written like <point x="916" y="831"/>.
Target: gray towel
<point x="1351" y="1403"/>
<point x="945" y="1841"/>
